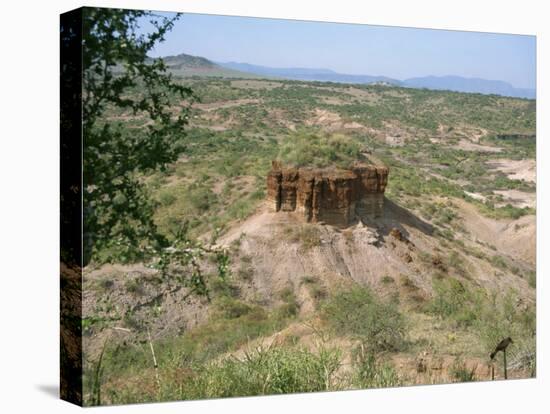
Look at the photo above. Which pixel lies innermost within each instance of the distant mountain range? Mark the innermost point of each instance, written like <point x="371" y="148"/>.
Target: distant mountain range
<point x="475" y="85"/>
<point x="451" y="83"/>
<point x="187" y="65"/>
<point x="324" y="75"/>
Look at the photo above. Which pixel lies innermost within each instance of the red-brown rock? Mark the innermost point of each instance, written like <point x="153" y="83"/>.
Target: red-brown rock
<point x="329" y="195"/>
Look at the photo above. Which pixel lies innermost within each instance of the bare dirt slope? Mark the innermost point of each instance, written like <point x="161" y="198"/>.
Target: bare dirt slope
<point x="282" y="251"/>
<point x="515" y="238"/>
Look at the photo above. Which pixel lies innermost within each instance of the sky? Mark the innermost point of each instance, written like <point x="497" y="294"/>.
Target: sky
<point x="395" y="52"/>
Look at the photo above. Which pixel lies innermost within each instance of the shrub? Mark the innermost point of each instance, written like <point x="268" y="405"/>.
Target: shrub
<point x="308" y="235"/>
<point x="359" y="313"/>
<point x="369" y="373"/>
<point x="453" y="299"/>
<point x="290" y="306"/>
<point x="460" y="372"/>
<point x="232" y="308"/>
<point x="134" y="286"/>
<point x="320" y="150"/>
<point x="316" y="290"/>
<point x="499" y="262"/>
<point x="387" y="279"/>
<point x="492" y="318"/>
<point x="167" y="197"/>
<point x="500" y="318"/>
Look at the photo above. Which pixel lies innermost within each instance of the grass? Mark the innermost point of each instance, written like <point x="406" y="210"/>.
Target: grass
<point x="256" y="133"/>
<point x="232" y="323"/>
<point x="278" y="370"/>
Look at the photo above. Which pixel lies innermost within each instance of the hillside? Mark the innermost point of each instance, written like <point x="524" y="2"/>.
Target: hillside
<point x="447" y="270"/>
<point x="184" y="65"/>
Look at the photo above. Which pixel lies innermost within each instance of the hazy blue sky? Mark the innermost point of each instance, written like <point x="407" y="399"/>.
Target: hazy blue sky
<point x="355" y="49"/>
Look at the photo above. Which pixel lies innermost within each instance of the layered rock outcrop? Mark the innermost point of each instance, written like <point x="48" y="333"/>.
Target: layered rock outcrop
<point x="329" y="195"/>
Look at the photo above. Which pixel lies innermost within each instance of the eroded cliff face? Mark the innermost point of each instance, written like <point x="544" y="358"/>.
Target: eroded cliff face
<point x="332" y="196"/>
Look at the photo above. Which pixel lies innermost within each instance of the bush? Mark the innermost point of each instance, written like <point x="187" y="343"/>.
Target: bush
<point x="232" y="308"/>
<point x="387" y="279"/>
<point x="359" y="313"/>
<point x="308" y="235"/>
<point x="317" y="291"/>
<point x="290" y="307"/>
<point x="453" y="299"/>
<point x="320" y="150"/>
<point x="368" y="373"/>
<point x="460" y="372"/>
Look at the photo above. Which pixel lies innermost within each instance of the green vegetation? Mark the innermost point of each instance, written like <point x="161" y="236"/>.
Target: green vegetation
<point x="265" y="371"/>
<point x="307" y="235"/>
<point x="452" y="299"/>
<point x="118" y="214"/>
<point x="460" y="372"/>
<point x="316" y="289"/>
<point x="371" y="373"/>
<point x="319" y="150"/>
<point x="490" y="316"/>
<point x="358" y="312"/>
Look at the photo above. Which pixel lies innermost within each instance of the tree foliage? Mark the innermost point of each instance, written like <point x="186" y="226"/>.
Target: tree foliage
<point x="119" y="79"/>
<point x="118" y="74"/>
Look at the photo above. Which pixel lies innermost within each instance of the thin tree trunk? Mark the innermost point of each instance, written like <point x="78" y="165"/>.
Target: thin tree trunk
<point x="154" y="362"/>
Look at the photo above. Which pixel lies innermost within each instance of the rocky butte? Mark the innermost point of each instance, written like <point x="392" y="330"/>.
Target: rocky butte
<point x="328" y="195"/>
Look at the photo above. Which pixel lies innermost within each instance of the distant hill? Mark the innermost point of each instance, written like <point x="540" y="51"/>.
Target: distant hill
<point x="475" y="85"/>
<point x="451" y="83"/>
<point x="187" y="65"/>
<point x="307" y="74"/>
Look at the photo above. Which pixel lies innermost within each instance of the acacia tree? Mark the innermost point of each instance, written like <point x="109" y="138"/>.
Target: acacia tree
<point x="120" y="78"/>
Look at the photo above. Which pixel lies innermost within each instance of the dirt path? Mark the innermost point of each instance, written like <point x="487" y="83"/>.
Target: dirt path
<point x="466" y="145"/>
<point x="525" y="170"/>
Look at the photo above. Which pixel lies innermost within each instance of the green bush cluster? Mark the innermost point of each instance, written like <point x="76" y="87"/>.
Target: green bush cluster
<point x="358" y="312"/>
<point x="371" y="373"/>
<point x="305" y="148"/>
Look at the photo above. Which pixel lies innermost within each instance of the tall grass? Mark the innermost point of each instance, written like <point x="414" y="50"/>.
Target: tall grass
<point x="278" y="370"/>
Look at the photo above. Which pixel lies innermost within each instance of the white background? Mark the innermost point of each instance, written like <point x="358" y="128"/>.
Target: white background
<point x="29" y="182"/>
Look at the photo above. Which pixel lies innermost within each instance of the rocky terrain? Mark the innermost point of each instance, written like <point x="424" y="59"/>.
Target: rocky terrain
<point x="332" y="196"/>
